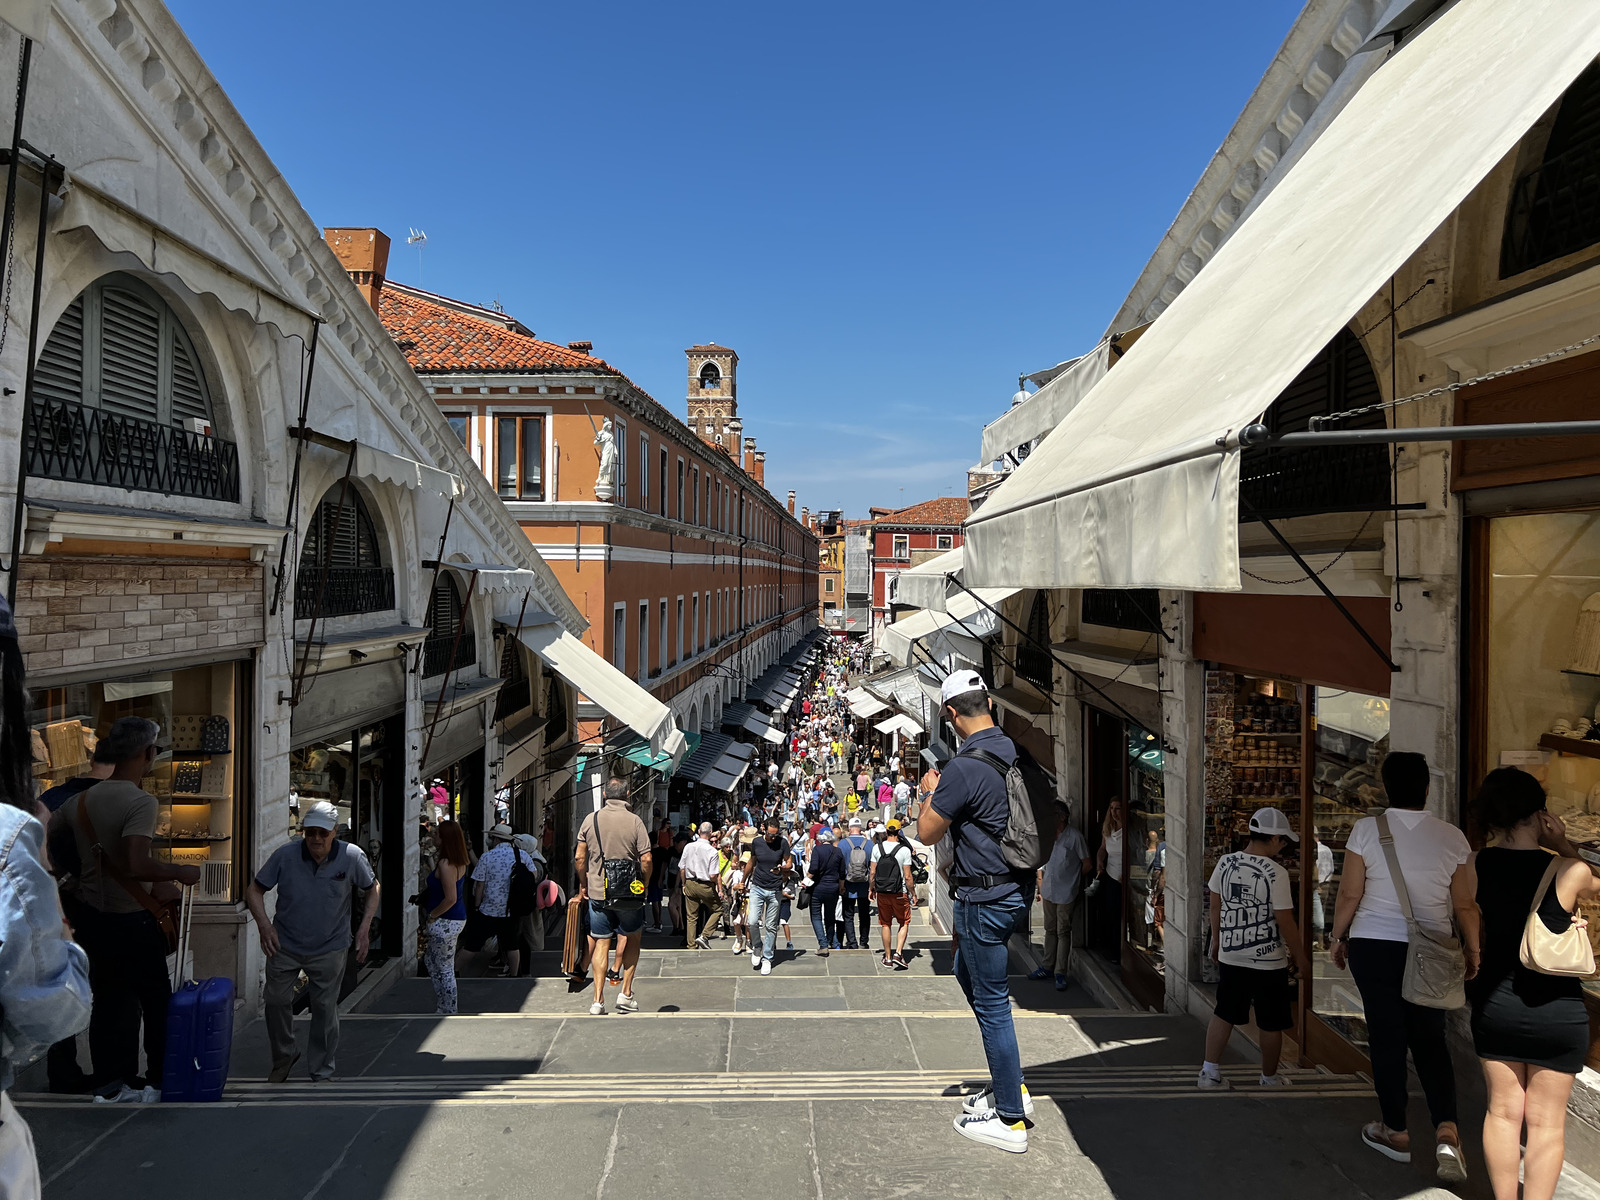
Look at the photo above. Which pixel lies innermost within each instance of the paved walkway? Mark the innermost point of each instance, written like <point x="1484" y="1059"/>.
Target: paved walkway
<point x="831" y="1078"/>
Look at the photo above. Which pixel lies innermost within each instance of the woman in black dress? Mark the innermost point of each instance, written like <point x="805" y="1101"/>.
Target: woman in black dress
<point x="1530" y="1029"/>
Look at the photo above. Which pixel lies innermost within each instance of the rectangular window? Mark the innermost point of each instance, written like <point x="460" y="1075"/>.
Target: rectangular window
<point x="663" y="481"/>
<point x="827" y="585"/>
<point x="706" y="508"/>
<point x="460" y="425"/>
<point x="519" y="448"/>
<point x="680" y="513"/>
<point x="902" y="545"/>
<point x="622" y="462"/>
<point x="644" y="640"/>
<point x="694" y="631"/>
<point x="661" y="654"/>
<point x="644" y="470"/>
<point x="681" y="655"/>
<point x="694" y="494"/>
<point x="619" y="638"/>
<point x="942" y="541"/>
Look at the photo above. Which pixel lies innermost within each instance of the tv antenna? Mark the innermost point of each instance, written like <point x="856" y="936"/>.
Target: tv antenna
<point x="419" y="239"/>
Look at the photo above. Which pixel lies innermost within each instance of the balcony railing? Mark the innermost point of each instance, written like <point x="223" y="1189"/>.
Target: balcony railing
<point x="1282" y="482"/>
<point x="1554" y="210"/>
<point x="436" y="656"/>
<point x="1131" y="608"/>
<point x="79" y="444"/>
<point x="348" y="590"/>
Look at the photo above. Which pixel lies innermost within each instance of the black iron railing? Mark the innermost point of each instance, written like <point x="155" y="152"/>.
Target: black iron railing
<point x="79" y="444"/>
<point x="1280" y="482"/>
<point x="1554" y="210"/>
<point x="1123" y="608"/>
<point x="436" y="653"/>
<point x="348" y="590"/>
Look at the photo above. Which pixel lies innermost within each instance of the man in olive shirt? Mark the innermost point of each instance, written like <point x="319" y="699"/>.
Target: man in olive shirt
<point x="613" y="831"/>
<point x="316" y="878"/>
<point x="112" y="824"/>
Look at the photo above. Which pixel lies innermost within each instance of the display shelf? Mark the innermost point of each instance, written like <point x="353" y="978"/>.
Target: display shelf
<point x="1570" y="745"/>
<point x="196" y="797"/>
<point x="191" y="841"/>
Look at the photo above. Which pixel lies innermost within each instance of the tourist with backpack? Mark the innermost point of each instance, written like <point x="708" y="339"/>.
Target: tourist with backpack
<point x="891" y="887"/>
<point x="996" y="845"/>
<point x="856" y="904"/>
<point x="494" y="878"/>
<point x="825" y="876"/>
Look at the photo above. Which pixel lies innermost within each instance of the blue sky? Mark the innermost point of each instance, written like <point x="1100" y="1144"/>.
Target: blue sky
<point x="888" y="209"/>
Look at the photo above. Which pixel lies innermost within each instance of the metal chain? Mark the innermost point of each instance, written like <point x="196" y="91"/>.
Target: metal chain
<point x="11" y="240"/>
<point x="1318" y="423"/>
<point x="1426" y="284"/>
<point x="1307" y="578"/>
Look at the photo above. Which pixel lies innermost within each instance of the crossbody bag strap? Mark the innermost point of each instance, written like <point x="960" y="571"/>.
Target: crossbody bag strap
<point x="109" y="865"/>
<point x="1544" y="884"/>
<point x="1386" y="840"/>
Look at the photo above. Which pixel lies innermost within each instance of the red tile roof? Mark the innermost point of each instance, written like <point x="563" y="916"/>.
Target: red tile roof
<point x="438" y="334"/>
<point x="943" y="510"/>
<point x="709" y="348"/>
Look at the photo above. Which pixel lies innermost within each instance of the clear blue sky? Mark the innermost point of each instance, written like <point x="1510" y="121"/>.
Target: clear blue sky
<point x="888" y="209"/>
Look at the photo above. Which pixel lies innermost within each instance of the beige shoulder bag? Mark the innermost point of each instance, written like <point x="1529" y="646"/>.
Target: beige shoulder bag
<point x="1436" y="969"/>
<point x="1567" y="953"/>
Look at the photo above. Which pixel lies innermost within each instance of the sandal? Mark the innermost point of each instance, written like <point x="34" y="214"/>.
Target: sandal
<point x="1381" y="1138"/>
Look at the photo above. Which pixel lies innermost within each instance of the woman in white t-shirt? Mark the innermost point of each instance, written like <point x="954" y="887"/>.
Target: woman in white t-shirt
<point x="1369" y="932"/>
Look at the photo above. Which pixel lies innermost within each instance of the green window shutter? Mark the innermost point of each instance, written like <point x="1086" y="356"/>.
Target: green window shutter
<point x="59" y="374"/>
<point x="130" y="355"/>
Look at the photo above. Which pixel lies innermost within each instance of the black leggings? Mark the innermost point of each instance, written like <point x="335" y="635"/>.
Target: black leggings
<point x="1393" y="1024"/>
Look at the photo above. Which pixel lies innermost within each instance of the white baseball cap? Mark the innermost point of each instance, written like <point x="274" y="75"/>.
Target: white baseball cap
<point x="1272" y="822"/>
<point x="321" y="815"/>
<point x="855" y="822"/>
<point x="960" y="683"/>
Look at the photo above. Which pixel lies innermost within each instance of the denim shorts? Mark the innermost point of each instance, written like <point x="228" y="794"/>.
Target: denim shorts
<point x="605" y="920"/>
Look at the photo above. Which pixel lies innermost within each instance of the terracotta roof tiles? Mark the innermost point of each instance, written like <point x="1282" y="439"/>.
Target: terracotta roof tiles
<point x="942" y="510"/>
<point x="436" y="335"/>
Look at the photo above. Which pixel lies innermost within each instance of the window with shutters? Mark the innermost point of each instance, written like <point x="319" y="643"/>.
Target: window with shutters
<point x="341" y="563"/>
<point x="1283" y="482"/>
<point x="450" y="645"/>
<point x="120" y="398"/>
<point x="515" y="693"/>
<point x="1555" y="208"/>
<point x="1033" y="652"/>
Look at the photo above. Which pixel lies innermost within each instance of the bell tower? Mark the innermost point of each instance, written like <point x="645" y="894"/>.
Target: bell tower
<point x="714" y="396"/>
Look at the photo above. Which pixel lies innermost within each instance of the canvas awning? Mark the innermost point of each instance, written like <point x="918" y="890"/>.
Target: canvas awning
<point x="718" y="762"/>
<point x="1046" y="408"/>
<point x="606" y="686"/>
<point x="964" y="618"/>
<point x="751" y="720"/>
<point x="1139" y="485"/>
<point x="494" y="578"/>
<point x="926" y="585"/>
<point x="863" y="703"/>
<point x="901" y="724"/>
<point x="379" y="466"/>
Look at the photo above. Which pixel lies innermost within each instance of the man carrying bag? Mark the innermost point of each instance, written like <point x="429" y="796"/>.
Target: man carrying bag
<point x="613" y="861"/>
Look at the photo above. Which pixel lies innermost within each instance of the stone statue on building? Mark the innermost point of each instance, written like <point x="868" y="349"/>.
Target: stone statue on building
<point x="605" y="484"/>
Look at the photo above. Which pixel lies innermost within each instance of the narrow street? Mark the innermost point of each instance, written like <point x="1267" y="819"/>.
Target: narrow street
<point x="830" y="1078"/>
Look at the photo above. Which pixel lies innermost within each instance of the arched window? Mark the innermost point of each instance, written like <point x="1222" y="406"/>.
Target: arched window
<point x="694" y="716"/>
<point x="710" y="377"/>
<point x="1033" y="652"/>
<point x="341" y="564"/>
<point x="1555" y="207"/>
<point x="450" y="644"/>
<point x="120" y="398"/>
<point x="1280" y="482"/>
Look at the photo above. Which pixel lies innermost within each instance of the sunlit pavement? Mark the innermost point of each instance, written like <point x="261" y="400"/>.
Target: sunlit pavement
<point x="832" y="1077"/>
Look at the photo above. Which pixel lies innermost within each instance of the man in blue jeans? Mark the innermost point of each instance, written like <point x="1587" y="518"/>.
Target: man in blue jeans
<point x="991" y="903"/>
<point x="770" y="860"/>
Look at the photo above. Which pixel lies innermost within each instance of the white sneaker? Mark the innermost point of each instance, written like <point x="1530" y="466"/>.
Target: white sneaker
<point x="626" y="1003"/>
<point x="766" y="967"/>
<point x="597" y="1009"/>
<point x="984" y="1102"/>
<point x="1274" y="1081"/>
<point x="755" y="961"/>
<point x="989" y="1129"/>
<point x="1209" y="1082"/>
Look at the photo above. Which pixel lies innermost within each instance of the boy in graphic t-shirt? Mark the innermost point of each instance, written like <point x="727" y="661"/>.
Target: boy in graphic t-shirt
<point x="1252" y="934"/>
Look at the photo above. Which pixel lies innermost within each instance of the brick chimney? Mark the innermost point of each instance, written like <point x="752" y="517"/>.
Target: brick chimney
<point x="760" y="473"/>
<point x="364" y="254"/>
<point x="791" y="502"/>
<point x="805" y="517"/>
<point x="749" y="462"/>
<point x="581" y="348"/>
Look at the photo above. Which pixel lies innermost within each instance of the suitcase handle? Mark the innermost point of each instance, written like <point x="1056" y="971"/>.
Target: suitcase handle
<point x="185" y="919"/>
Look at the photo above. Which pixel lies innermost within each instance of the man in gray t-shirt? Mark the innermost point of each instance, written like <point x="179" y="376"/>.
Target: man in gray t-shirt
<point x="316" y="878"/>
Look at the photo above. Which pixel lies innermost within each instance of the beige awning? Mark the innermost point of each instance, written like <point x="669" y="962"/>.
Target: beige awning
<point x="1139" y="485"/>
<point x="1048" y="407"/>
<point x="902" y="724"/>
<point x="927" y="584"/>
<point x="607" y="687"/>
<point x="863" y="703"/>
<point x="964" y="616"/>
<point x="382" y="467"/>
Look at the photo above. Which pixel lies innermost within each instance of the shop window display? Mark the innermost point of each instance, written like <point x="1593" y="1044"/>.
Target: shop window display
<point x="196" y="776"/>
<point x="1146" y="848"/>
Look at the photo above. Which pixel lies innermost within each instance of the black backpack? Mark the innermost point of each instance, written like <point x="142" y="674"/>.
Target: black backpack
<point x="523" y="896"/>
<point x="889" y="874"/>
<point x="1030" y="831"/>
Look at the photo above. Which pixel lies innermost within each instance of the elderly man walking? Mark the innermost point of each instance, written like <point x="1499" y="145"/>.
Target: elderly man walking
<point x="316" y="878"/>
<point x="699" y="866"/>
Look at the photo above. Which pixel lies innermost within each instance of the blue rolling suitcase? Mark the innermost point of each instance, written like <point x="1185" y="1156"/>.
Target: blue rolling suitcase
<point x="199" y="1029"/>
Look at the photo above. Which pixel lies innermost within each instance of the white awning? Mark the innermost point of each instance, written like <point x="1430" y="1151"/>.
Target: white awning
<point x="384" y="467"/>
<point x="497" y="577"/>
<point x="925" y="585"/>
<point x="900" y="723"/>
<point x="964" y="616"/>
<point x="1046" y="408"/>
<point x="1139" y="485"/>
<point x="606" y="686"/>
<point x="863" y="703"/>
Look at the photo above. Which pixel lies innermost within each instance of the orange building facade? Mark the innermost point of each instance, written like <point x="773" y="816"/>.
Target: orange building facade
<point x="693" y="577"/>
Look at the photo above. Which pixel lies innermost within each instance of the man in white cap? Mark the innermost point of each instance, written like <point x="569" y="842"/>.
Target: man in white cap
<point x="493" y="877"/>
<point x="1253" y="933"/>
<point x="991" y="902"/>
<point x="316" y="877"/>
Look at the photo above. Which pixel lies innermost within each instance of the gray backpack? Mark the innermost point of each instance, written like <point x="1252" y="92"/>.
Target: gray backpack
<point x="857" y="864"/>
<point x="1030" y="831"/>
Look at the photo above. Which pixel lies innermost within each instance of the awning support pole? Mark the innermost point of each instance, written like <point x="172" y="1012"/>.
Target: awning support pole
<point x="1321" y="586"/>
<point x="1260" y="435"/>
<point x="329" y="537"/>
<point x="1055" y="658"/>
<point x="450" y="671"/>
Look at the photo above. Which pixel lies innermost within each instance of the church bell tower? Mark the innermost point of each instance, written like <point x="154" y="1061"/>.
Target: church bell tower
<point x="714" y="396"/>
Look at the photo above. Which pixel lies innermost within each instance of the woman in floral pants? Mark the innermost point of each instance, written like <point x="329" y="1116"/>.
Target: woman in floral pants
<point x="445" y="911"/>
